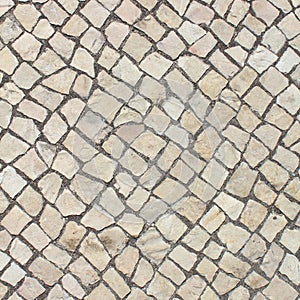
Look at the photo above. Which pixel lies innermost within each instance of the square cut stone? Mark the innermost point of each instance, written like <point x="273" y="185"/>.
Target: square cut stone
<point x="25" y="76"/>
<point x="223" y="30"/>
<point x="95" y="13"/>
<point x="27" y="46"/>
<point x="212" y="84"/>
<point x="136" y="46"/>
<point x="274" y="81"/>
<point x="128" y="12"/>
<point x="155" y="65"/>
<point x="8" y="61"/>
<point x="172" y="45"/>
<point x="242" y="180"/>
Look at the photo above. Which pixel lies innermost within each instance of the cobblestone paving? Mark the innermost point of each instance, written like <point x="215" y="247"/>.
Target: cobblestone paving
<point x="149" y="149"/>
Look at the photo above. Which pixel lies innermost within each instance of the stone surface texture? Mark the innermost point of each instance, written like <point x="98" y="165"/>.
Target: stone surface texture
<point x="149" y="149"/>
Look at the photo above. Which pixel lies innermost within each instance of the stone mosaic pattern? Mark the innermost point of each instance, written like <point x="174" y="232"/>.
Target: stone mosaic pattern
<point x="149" y="149"/>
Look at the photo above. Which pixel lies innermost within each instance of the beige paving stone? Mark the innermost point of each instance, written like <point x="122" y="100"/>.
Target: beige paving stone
<point x="255" y="281"/>
<point x="290" y="239"/>
<point x="25" y="128"/>
<point x="160" y="287"/>
<point x="279" y="286"/>
<point x="45" y="271"/>
<point x="247" y="118"/>
<point x="241" y="181"/>
<point x="31" y="164"/>
<point x="75" y="26"/>
<point x="27" y="15"/>
<point x="255" y="152"/>
<point x="234" y="237"/>
<point x="223" y="64"/>
<point x="27" y="46"/>
<point x="289" y="268"/>
<point x="199" y="13"/>
<point x="156" y="65"/>
<point x="223" y="30"/>
<point x="151" y="27"/>
<point x="253" y="214"/>
<point x="191" y="208"/>
<point x="114" y="239"/>
<point x="61" y="82"/>
<point x="65" y="164"/>
<point x="289" y="208"/>
<point x="255" y="248"/>
<point x="207" y="142"/>
<point x="237" y="12"/>
<point x="43" y="29"/>
<point x="124" y="181"/>
<point x="203" y="46"/>
<point x="136" y="46"/>
<point x="36" y="237"/>
<point x="122" y="31"/>
<point x="190" y="32"/>
<point x="242" y="81"/>
<point x="49" y="186"/>
<point x="9" y="30"/>
<point x="128" y="12"/>
<point x="15" y="220"/>
<point x="11" y="182"/>
<point x="238" y="54"/>
<point x="212" y="84"/>
<point x="25" y="76"/>
<point x="101" y="291"/>
<point x="263" y="192"/>
<point x="68" y="205"/>
<point x="30" y="288"/>
<point x="54" y="13"/>
<point x="285" y="25"/>
<point x="13" y="274"/>
<point x="127" y="260"/>
<point x="192" y="287"/>
<point x="8" y="62"/>
<point x="83" y="61"/>
<point x="272" y="226"/>
<point x="171" y="271"/>
<point x="233" y="265"/>
<point x="11" y="147"/>
<point x="275" y="174"/>
<point x="278" y="82"/>
<point x="72" y="286"/>
<point x="72" y="236"/>
<point x="62" y="45"/>
<point x="31" y="201"/>
<point x="193" y="66"/>
<point x="152" y="244"/>
<point x="51" y="221"/>
<point x="94" y="252"/>
<point x="82" y="269"/>
<point x="171" y="227"/>
<point x="143" y="273"/>
<point x="268" y="134"/>
<point x="171" y="45"/>
<point x="20" y="251"/>
<point x="116" y="282"/>
<point x="279" y="117"/>
<point x="224" y="283"/>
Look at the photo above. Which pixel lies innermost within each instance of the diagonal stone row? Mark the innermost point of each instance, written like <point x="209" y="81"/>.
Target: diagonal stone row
<point x="149" y="149"/>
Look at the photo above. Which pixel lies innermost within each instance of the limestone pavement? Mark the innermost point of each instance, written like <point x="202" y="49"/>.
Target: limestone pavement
<point x="149" y="149"/>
